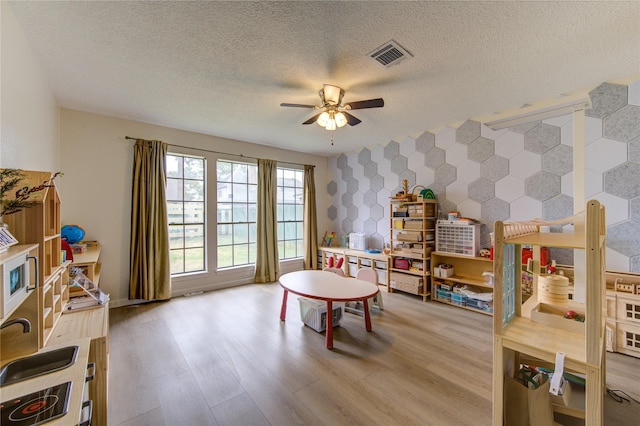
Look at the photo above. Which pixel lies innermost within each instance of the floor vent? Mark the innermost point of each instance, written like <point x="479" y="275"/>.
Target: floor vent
<point x="390" y="53"/>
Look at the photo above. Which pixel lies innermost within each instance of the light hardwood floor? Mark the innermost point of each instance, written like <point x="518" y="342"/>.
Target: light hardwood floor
<point x="225" y="358"/>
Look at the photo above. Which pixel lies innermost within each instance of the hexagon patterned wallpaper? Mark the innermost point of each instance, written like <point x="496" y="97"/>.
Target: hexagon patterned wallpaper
<point x="518" y="173"/>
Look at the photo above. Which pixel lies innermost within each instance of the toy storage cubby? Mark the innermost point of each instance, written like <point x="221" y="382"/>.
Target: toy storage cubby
<point x="467" y="272"/>
<point x="356" y="259"/>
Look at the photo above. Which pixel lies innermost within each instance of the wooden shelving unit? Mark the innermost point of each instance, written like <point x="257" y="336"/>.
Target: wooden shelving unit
<point x="519" y="340"/>
<point x="467" y="272"/>
<point x="356" y="259"/>
<point x="40" y="224"/>
<point x="412" y="239"/>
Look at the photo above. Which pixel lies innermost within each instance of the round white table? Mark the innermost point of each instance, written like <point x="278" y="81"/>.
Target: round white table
<point x="330" y="287"/>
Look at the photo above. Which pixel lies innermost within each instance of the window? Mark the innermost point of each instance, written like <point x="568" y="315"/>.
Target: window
<point x="186" y="212"/>
<point x="237" y="213"/>
<point x="237" y="197"/>
<point x="290" y="204"/>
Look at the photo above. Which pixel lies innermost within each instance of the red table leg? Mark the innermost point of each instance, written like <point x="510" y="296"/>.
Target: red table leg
<point x="329" y="324"/>
<point x="367" y="317"/>
<point x="283" y="310"/>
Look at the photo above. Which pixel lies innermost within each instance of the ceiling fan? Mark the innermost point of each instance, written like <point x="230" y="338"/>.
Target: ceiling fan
<point x="334" y="113"/>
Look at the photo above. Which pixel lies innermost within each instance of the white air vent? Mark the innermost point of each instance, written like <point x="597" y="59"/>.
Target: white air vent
<point x="390" y="53"/>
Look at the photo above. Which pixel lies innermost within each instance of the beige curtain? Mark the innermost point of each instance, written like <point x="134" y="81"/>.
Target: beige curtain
<point x="310" y="221"/>
<point x="149" y="276"/>
<point x="267" y="262"/>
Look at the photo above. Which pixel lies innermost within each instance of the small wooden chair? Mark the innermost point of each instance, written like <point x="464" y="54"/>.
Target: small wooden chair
<point x="368" y="274"/>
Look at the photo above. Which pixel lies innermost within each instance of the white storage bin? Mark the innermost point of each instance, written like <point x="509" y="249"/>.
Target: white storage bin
<point x="358" y="241"/>
<point x="314" y="313"/>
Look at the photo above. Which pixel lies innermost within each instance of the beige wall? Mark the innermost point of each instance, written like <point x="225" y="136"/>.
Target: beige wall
<point x="29" y="113"/>
<point x="96" y="190"/>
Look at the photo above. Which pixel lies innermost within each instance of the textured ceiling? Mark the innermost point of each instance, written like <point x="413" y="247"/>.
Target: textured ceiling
<point x="223" y="68"/>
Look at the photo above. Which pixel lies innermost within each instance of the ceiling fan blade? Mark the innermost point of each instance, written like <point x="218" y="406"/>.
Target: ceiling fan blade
<point x="371" y="103"/>
<point x="298" y="105"/>
<point x="351" y="120"/>
<point x="312" y="119"/>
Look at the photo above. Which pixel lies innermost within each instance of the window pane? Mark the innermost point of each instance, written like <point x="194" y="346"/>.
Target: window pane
<point x="194" y="259"/>
<point x="193" y="212"/>
<point x="241" y="233"/>
<point x="253" y="173"/>
<point x="193" y="190"/>
<point x="174" y="166"/>
<point x="252" y="212"/>
<point x="299" y="248"/>
<point x="280" y="212"/>
<point x="224" y="212"/>
<point x="224" y="191"/>
<point x="279" y="174"/>
<point x="176" y="237"/>
<point x="281" y="254"/>
<point x="225" y="237"/>
<point x="241" y="254"/>
<point x="289" y="196"/>
<point x="290" y="230"/>
<point x="223" y="172"/>
<point x="174" y="189"/>
<point x="299" y="212"/>
<point x="176" y="259"/>
<point x="240" y="212"/>
<point x="253" y="193"/>
<point x="252" y="232"/>
<point x="174" y="212"/>
<point x="299" y="230"/>
<point x="194" y="236"/>
<point x="194" y="168"/>
<point x="240" y="194"/>
<point x="225" y="256"/>
<point x="240" y="173"/>
<point x="252" y="253"/>
<point x="280" y="231"/>
<point x="289" y="212"/>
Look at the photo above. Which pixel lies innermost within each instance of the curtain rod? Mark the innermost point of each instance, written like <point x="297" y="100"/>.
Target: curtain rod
<point x="219" y="152"/>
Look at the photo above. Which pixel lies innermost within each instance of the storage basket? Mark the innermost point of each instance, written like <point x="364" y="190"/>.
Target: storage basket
<point x="443" y="295"/>
<point x="314" y="313"/>
<point x="407" y="283"/>
<point x="458" y="299"/>
<point x="475" y="303"/>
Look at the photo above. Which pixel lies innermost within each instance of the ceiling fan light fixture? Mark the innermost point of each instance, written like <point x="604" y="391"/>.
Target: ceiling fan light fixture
<point x="341" y="120"/>
<point x="331" y="124"/>
<point x="323" y="119"/>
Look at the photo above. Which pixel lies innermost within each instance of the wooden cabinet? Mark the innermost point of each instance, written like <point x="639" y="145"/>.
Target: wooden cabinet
<point x="356" y="259"/>
<point x="412" y="239"/>
<point x="457" y="285"/>
<point x="40" y="224"/>
<point x="519" y="340"/>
